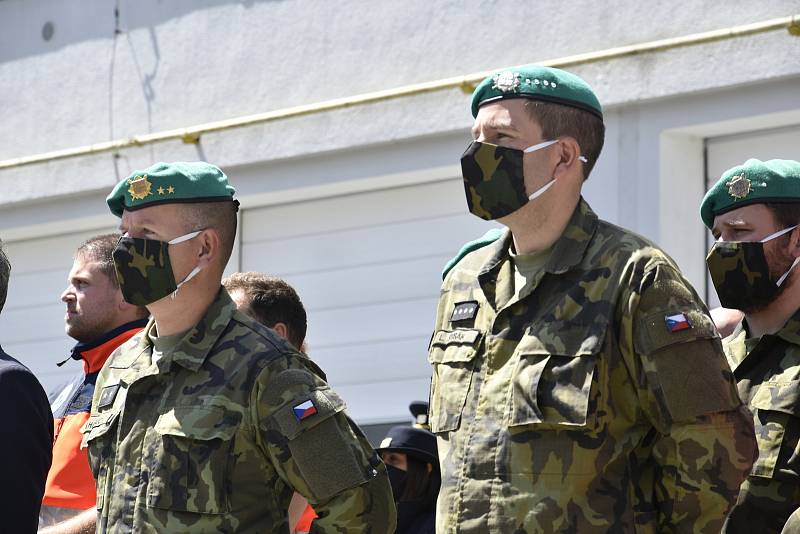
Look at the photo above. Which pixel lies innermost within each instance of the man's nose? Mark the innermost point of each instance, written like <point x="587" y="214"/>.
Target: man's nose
<point x="67" y="295"/>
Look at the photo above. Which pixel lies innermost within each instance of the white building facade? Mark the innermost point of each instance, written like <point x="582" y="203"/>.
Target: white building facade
<point x="358" y="202"/>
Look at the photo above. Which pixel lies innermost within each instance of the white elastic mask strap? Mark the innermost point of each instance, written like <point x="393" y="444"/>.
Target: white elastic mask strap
<point x="782" y="278"/>
<point x="779" y="233"/>
<point x="541" y="190"/>
<point x="539" y="146"/>
<point x="185" y="237"/>
<point x="189" y="276"/>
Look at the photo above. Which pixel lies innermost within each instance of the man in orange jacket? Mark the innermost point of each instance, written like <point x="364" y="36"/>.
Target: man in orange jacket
<point x="100" y="320"/>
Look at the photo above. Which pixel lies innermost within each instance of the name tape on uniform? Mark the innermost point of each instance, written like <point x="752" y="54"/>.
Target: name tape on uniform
<point x="447" y="337"/>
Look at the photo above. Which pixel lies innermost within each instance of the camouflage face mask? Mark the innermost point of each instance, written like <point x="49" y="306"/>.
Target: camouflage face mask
<point x="494" y="181"/>
<point x="144" y="270"/>
<point x="741" y="273"/>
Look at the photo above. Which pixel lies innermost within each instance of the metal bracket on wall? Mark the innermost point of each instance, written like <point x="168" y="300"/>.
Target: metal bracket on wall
<point x="467" y="83"/>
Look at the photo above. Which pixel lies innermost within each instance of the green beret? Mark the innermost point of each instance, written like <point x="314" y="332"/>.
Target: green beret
<point x="753" y="182"/>
<point x="538" y="83"/>
<point x="167" y="183"/>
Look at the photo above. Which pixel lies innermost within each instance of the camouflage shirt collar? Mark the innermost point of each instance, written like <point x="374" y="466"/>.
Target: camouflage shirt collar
<point x="191" y="351"/>
<point x="568" y="250"/>
<point x="791" y="330"/>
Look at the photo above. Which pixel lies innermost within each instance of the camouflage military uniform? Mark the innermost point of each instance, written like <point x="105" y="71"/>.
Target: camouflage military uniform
<point x="574" y="406"/>
<point x="767" y="371"/>
<point x="207" y="439"/>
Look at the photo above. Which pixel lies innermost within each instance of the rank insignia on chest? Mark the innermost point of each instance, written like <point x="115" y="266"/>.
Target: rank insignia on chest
<point x="677" y="322"/>
<point x="107" y="396"/>
<point x="464" y="311"/>
<point x="304" y="410"/>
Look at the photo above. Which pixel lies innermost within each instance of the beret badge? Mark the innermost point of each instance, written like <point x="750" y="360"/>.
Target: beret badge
<point x="739" y="186"/>
<point x="140" y="187"/>
<point x="506" y="81"/>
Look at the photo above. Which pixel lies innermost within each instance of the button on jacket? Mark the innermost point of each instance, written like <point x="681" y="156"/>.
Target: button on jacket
<point x="217" y="434"/>
<point x="595" y="398"/>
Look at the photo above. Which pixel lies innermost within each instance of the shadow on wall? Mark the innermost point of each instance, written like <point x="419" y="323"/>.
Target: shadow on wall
<point x="34" y="28"/>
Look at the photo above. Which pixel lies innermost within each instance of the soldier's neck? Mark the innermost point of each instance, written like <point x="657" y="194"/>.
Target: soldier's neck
<point x="537" y="227"/>
<point x="179" y="314"/>
<point x="771" y="319"/>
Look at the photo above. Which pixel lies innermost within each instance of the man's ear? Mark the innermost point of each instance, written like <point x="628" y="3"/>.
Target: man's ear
<point x="569" y="153"/>
<point x="794" y="242"/>
<point x="282" y="330"/>
<point x="209" y="243"/>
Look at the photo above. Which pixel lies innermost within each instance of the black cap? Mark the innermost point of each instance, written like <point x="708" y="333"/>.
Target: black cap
<point x="413" y="441"/>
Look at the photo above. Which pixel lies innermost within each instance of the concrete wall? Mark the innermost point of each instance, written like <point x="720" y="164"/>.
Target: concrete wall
<point x="162" y="64"/>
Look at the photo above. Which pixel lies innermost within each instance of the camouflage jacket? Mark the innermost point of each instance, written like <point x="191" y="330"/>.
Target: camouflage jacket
<point x="216" y="435"/>
<point x="767" y="371"/>
<point x="577" y="406"/>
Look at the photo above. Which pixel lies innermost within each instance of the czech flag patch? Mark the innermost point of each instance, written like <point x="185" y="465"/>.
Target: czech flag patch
<point x="677" y="322"/>
<point x="304" y="410"/>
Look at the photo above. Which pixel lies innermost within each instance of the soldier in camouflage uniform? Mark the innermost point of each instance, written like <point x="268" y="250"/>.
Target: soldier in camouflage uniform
<point x="753" y="212"/>
<point x="207" y="421"/>
<point x="578" y="384"/>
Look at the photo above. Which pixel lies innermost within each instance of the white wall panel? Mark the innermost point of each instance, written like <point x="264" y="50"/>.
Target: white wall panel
<point x="368" y="268"/>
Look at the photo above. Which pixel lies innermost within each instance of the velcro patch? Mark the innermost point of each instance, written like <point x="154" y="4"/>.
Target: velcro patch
<point x="463" y="311"/>
<point x="304" y="410"/>
<point x="107" y="396"/>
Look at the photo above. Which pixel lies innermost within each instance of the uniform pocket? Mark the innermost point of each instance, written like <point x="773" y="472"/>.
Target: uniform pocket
<point x="99" y="434"/>
<point x="775" y="405"/>
<point x="452" y="357"/>
<point x="188" y="455"/>
<point x="551" y="389"/>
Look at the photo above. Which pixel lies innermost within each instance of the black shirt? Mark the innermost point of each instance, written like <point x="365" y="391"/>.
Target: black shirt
<point x="25" y="446"/>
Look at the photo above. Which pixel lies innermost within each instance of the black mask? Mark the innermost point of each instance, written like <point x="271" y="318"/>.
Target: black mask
<point x="397" y="479"/>
<point x="741" y="273"/>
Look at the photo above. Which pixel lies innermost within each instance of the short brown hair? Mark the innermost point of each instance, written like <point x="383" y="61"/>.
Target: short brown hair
<point x="99" y="249"/>
<point x="786" y="213"/>
<point x="558" y="120"/>
<point x="221" y="216"/>
<point x="272" y="301"/>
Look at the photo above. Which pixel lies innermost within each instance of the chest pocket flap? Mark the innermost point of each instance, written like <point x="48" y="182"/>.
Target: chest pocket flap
<point x="783" y="398"/>
<point x="552" y="382"/>
<point x="200" y="423"/>
<point x="96" y="426"/>
<point x="777" y="407"/>
<point x="452" y="357"/>
<point x="188" y="455"/>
